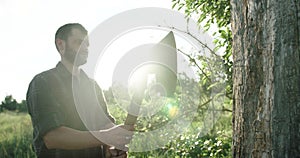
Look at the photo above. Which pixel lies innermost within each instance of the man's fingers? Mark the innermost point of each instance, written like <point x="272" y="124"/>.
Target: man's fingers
<point x="117" y="136"/>
<point x="113" y="152"/>
<point x="123" y="148"/>
<point x="121" y="156"/>
<point x="121" y="152"/>
<point x="107" y="154"/>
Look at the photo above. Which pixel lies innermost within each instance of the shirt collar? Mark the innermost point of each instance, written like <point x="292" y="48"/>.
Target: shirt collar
<point x="64" y="71"/>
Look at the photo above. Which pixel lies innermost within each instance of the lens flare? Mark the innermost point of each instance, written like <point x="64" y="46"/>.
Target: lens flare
<point x="171" y="108"/>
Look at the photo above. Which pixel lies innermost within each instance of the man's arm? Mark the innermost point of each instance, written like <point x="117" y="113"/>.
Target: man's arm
<point x="68" y="138"/>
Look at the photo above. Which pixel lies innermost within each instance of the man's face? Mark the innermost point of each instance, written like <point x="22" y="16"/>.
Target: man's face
<point x="76" y="43"/>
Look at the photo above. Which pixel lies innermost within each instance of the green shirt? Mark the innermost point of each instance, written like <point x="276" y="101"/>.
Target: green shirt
<point x="56" y="98"/>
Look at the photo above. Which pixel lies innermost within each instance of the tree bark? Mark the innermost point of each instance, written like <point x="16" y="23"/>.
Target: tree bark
<point x="266" y="88"/>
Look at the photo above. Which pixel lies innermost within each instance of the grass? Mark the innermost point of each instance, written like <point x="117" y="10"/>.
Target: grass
<point x="15" y="135"/>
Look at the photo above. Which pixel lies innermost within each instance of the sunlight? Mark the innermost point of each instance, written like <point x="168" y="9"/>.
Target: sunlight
<point x="119" y="47"/>
<point x="130" y="40"/>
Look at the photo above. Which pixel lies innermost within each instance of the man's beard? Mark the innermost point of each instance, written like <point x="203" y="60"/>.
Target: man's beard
<point x="70" y="55"/>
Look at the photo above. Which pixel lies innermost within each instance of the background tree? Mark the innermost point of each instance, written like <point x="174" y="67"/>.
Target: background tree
<point x="10" y="104"/>
<point x="266" y="46"/>
<point x="22" y="107"/>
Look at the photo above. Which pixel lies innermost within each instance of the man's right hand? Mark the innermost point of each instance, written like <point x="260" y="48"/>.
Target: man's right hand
<point x="115" y="153"/>
<point x="117" y="136"/>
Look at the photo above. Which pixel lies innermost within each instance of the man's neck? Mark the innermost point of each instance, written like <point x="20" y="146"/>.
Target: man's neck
<point x="74" y="70"/>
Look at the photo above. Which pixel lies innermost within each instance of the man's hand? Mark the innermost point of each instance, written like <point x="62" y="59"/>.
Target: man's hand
<point x="117" y="136"/>
<point x="115" y="153"/>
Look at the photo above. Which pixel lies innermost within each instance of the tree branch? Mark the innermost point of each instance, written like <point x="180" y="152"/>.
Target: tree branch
<point x="194" y="61"/>
<point x="194" y="37"/>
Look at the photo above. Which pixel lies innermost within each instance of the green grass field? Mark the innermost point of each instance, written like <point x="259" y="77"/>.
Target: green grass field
<point x="15" y="135"/>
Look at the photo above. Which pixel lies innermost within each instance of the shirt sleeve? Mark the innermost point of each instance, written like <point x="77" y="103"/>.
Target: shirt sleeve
<point x="42" y="106"/>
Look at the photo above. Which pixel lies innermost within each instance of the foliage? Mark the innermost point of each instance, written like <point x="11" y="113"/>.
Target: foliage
<point x="209" y="70"/>
<point x="11" y="104"/>
<point x="216" y="146"/>
<point x="211" y="13"/>
<point x="191" y="143"/>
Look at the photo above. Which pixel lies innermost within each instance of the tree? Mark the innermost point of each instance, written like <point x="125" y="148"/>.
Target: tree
<point x="9" y="103"/>
<point x="266" y="72"/>
<point x="22" y="107"/>
<point x="266" y="87"/>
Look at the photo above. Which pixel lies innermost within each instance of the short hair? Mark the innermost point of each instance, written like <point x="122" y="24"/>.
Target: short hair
<point x="64" y="31"/>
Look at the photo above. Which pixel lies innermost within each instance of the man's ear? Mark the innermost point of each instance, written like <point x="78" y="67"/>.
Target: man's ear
<point x="61" y="45"/>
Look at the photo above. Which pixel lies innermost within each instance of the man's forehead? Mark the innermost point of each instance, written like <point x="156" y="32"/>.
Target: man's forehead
<point x="77" y="33"/>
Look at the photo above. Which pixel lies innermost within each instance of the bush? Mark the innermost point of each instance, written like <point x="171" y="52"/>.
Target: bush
<point x="215" y="146"/>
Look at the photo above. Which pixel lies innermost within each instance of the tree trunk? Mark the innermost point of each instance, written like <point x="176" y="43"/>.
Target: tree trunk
<point x="266" y="46"/>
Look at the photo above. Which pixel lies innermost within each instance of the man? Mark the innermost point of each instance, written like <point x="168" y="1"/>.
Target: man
<point x="67" y="120"/>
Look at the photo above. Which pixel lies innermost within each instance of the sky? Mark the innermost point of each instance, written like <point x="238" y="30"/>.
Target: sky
<point x="27" y="34"/>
